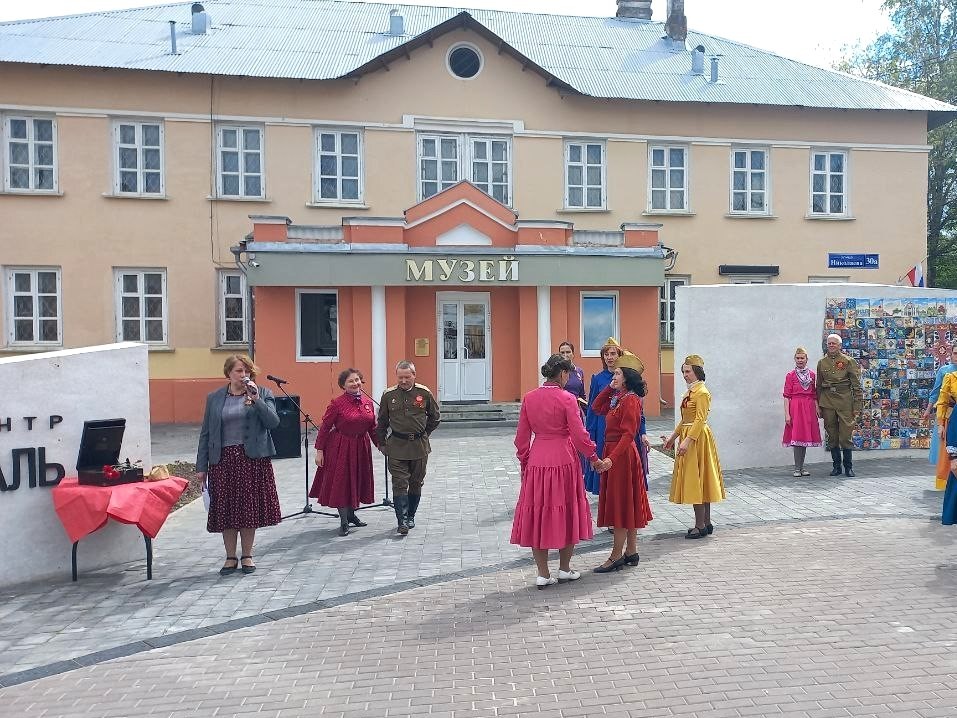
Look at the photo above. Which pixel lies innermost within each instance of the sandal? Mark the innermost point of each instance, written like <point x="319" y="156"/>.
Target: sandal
<point x="226" y="570"/>
<point x="248" y="569"/>
<point x="698" y="533"/>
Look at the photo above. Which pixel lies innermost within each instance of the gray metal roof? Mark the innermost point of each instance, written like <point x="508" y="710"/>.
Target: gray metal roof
<point x="328" y="39"/>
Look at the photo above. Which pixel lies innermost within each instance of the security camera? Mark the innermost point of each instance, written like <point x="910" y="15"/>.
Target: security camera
<point x="254" y="263"/>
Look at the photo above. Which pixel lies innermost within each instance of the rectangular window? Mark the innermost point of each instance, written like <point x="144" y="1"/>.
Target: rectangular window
<point x="30" y="153"/>
<point x="490" y="167"/>
<point x="33" y="302"/>
<point x="668" y="179"/>
<point x="749" y="181"/>
<point x="139" y="158"/>
<point x="141" y="306"/>
<point x="239" y="151"/>
<point x="233" y="312"/>
<point x="585" y="176"/>
<point x="666" y="307"/>
<point x="439" y="168"/>
<point x="829" y="183"/>
<point x="317" y="319"/>
<point x="749" y="279"/>
<point x="338" y="166"/>
<point x="599" y="320"/>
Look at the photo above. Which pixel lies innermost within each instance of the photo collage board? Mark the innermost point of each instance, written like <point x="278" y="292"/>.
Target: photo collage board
<point x="899" y="344"/>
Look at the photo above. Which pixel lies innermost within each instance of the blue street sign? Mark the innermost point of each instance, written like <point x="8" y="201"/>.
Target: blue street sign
<point x="853" y="261"/>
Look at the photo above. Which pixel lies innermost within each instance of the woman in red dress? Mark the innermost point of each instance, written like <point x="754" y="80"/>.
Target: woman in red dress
<point x="344" y="478"/>
<point x="622" y="497"/>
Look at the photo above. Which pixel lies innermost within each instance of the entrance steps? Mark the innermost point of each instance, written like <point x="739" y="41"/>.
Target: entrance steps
<point x="482" y="414"/>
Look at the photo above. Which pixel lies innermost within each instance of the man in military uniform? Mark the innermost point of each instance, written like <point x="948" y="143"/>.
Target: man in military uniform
<point x="840" y="401"/>
<point x="408" y="414"/>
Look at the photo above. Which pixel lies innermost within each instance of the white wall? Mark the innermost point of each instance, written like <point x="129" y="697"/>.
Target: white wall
<point x="747" y="335"/>
<point x="104" y="382"/>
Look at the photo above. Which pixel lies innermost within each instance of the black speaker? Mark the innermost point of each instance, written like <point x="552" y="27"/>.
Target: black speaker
<point x="286" y="436"/>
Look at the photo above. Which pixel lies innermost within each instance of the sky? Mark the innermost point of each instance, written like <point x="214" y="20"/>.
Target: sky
<point x="817" y="32"/>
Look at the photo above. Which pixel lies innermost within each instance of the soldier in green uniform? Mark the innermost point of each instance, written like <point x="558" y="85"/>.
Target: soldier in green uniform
<point x="840" y="401"/>
<point x="408" y="414"/>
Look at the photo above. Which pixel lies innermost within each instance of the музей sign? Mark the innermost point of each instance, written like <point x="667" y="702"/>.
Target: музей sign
<point x="35" y="458"/>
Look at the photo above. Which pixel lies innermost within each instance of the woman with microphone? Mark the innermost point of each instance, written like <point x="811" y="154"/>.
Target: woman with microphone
<point x="233" y="460"/>
<point x="344" y="477"/>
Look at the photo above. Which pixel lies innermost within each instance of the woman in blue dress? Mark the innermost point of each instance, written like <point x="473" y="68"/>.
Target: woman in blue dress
<point x="576" y="379"/>
<point x="595" y="423"/>
<point x="948" y="514"/>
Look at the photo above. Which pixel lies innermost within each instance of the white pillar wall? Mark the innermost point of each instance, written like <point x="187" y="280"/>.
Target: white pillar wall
<point x="544" y="296"/>
<point x="379" y="340"/>
<point x="104" y="382"/>
<point x="747" y="335"/>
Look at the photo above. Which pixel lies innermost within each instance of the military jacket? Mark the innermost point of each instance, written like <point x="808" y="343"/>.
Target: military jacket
<point x="405" y="421"/>
<point x="839" y="383"/>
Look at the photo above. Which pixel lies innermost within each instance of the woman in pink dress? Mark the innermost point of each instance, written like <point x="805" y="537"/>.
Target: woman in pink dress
<point x="344" y="478"/>
<point x="801" y="429"/>
<point x="552" y="511"/>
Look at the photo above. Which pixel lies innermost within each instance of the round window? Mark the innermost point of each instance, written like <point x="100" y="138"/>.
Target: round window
<point x="465" y="62"/>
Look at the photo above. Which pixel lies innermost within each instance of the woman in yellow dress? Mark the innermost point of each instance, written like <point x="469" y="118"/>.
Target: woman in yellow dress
<point x="697" y="474"/>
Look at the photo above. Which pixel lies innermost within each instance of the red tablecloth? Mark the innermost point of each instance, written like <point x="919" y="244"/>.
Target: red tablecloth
<point x="146" y="504"/>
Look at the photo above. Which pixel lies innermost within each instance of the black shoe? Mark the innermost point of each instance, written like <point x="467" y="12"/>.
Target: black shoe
<point x="710" y="528"/>
<point x="848" y="462"/>
<point x="354" y="520"/>
<point x="697" y="533"/>
<point x="343" y="522"/>
<point x="247" y="569"/>
<point x="226" y="570"/>
<point x="410" y="521"/>
<point x="414" y="500"/>
<point x="836" y="462"/>
<point x="632" y="559"/>
<point x="614" y="566"/>
<point x="401" y="504"/>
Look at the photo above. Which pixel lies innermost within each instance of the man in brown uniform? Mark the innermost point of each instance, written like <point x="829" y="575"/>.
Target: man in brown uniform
<point x="408" y="414"/>
<point x="840" y="401"/>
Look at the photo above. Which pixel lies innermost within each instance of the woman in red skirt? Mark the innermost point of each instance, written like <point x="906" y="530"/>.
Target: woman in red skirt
<point x="233" y="461"/>
<point x="622" y="497"/>
<point x="344" y="477"/>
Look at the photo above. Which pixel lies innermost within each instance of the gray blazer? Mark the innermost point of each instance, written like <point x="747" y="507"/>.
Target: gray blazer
<point x="257" y="442"/>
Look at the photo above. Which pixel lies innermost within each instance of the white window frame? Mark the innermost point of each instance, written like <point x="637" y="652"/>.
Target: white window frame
<point x="668" y="188"/>
<point x="828" y="174"/>
<point x="666" y="329"/>
<point x="338" y="132"/>
<point x="9" y="301"/>
<point x="119" y="293"/>
<point x="749" y="179"/>
<point x="584" y="165"/>
<point x="464" y="162"/>
<point x="140" y="149"/>
<point x="316" y="359"/>
<point x="243" y="295"/>
<point x="470" y="141"/>
<point x="241" y="153"/>
<point x="582" y="296"/>
<point x="6" y="162"/>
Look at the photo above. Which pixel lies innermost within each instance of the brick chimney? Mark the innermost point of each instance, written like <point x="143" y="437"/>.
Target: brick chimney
<point x="270" y="227"/>
<point x="676" y="26"/>
<point x="638" y="9"/>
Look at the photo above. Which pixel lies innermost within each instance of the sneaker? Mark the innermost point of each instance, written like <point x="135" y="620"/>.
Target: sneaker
<point x="568" y="576"/>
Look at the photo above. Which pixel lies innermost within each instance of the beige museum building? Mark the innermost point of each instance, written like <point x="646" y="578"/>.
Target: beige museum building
<point x="615" y="159"/>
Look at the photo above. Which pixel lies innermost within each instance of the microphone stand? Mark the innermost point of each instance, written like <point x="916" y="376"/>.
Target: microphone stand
<point x="306" y="422"/>
<point x="386" y="501"/>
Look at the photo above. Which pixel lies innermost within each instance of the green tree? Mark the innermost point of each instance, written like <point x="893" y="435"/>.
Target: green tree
<point x="920" y="55"/>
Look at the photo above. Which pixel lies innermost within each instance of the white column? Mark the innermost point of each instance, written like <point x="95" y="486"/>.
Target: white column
<point x="379" y="370"/>
<point x="544" y="324"/>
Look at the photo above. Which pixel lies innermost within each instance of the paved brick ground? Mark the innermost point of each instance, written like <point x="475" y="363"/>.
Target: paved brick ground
<point x="848" y="617"/>
<point x="464" y="526"/>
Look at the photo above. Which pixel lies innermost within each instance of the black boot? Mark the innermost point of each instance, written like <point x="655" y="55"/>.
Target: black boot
<point x="414" y="500"/>
<point x="343" y="522"/>
<point x="401" y="508"/>
<point x="848" y="463"/>
<point x="354" y="520"/>
<point x="836" y="460"/>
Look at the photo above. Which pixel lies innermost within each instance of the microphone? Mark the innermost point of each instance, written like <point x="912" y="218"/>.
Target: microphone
<point x="276" y="379"/>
